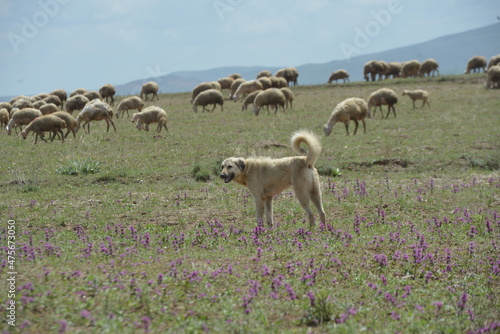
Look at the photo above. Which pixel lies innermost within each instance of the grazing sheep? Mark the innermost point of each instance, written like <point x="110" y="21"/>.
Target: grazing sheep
<point x="495" y="60"/>
<point x="409" y="69"/>
<point x="290" y="74"/>
<point x="22" y="103"/>
<point x="210" y="96"/>
<point x="247" y="87"/>
<point x="225" y="83"/>
<point x="340" y="74"/>
<point x="235" y="85"/>
<point x="203" y="86"/>
<point x="78" y="91"/>
<point x="71" y="123"/>
<point x="429" y="66"/>
<point x="48" y="108"/>
<point x="21" y="117"/>
<point x="39" y="104"/>
<point x="271" y="97"/>
<point x="249" y="99"/>
<point x="265" y="82"/>
<point x="4" y="117"/>
<point x="6" y="105"/>
<point x="93" y="95"/>
<point x="95" y="110"/>
<point x="277" y="82"/>
<point x="150" y="87"/>
<point x="418" y="94"/>
<point x="493" y="80"/>
<point x="374" y="68"/>
<point x="151" y="114"/>
<point x="76" y="102"/>
<point x="235" y="76"/>
<point x="289" y="95"/>
<point x="45" y="123"/>
<point x="108" y="91"/>
<point x="15" y="98"/>
<point x="351" y="109"/>
<point x="475" y="64"/>
<point x="38" y="97"/>
<point x="383" y="96"/>
<point x="394" y="69"/>
<point x="264" y="74"/>
<point x="53" y="99"/>
<point x="61" y="94"/>
<point x="132" y="102"/>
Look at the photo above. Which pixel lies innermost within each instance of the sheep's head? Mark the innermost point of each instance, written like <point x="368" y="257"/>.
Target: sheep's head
<point x="327" y="129"/>
<point x="23" y="134"/>
<point x="405" y="92"/>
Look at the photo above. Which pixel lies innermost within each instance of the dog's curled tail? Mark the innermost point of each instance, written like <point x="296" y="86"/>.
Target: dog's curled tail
<point x="312" y="142"/>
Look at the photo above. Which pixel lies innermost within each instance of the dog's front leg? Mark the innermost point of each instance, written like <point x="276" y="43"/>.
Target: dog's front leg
<point x="269" y="210"/>
<point x="259" y="207"/>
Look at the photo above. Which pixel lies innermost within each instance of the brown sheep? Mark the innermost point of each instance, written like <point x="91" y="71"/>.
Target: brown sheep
<point x="410" y="69"/>
<point x="45" y="123"/>
<point x="108" y="91"/>
<point x="475" y="64"/>
<point x="150" y="87"/>
<point x="340" y="74"/>
<point x="428" y="67"/>
<point x="290" y="74"/>
<point x="383" y="96"/>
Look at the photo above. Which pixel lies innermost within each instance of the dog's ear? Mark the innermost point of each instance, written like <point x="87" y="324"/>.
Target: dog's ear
<point x="241" y="164"/>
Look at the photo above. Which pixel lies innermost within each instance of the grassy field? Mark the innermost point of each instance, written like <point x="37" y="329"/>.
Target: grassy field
<point x="134" y="232"/>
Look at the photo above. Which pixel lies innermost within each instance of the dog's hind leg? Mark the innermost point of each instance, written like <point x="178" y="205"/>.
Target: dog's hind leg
<point x="316" y="199"/>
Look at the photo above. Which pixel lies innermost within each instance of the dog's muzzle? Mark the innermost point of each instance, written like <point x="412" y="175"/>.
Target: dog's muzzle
<point x="227" y="178"/>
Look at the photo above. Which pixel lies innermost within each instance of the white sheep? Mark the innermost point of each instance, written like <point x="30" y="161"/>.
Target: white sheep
<point x="246" y="88"/>
<point x="151" y="114"/>
<point x="108" y="91"/>
<point x="495" y="60"/>
<point x="210" y="96"/>
<point x="493" y="80"/>
<point x="71" y="123"/>
<point x="48" y="108"/>
<point x="475" y="64"/>
<point x="265" y="82"/>
<point x="409" y="69"/>
<point x="4" y="117"/>
<point x="418" y="94"/>
<point x="21" y="117"/>
<point x="337" y="75"/>
<point x="22" y="103"/>
<point x="428" y="67"/>
<point x="150" y="87"/>
<point x="95" y="110"/>
<point x="264" y="74"/>
<point x="383" y="96"/>
<point x="132" y="102"/>
<point x="235" y="85"/>
<point x="203" y="86"/>
<point x="76" y="102"/>
<point x="278" y="82"/>
<point x="249" y="99"/>
<point x="352" y="109"/>
<point x="270" y="97"/>
<point x="289" y="95"/>
<point x="6" y="105"/>
<point x="45" y="123"/>
<point x="225" y="83"/>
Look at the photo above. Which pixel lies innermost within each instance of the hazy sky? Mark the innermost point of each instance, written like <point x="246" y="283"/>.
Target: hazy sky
<point x="50" y="44"/>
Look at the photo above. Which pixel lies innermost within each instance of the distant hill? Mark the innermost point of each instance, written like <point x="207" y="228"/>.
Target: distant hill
<point x="451" y="52"/>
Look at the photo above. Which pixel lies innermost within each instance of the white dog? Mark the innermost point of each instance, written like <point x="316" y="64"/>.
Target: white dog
<point x="266" y="177"/>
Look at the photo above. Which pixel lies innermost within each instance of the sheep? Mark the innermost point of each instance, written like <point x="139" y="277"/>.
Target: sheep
<point x="108" y="91"/>
<point x="290" y="74"/>
<point x="374" y="68"/>
<point x="4" y="116"/>
<point x="38" y="97"/>
<point x="61" y="94"/>
<point x="475" y="64"/>
<point x="289" y="95"/>
<point x="340" y="74"/>
<point x="15" y="98"/>
<point x="53" y="99"/>
<point x="225" y="83"/>
<point x="71" y="123"/>
<point x="429" y="66"/>
<point x="150" y="87"/>
<point x="277" y="82"/>
<point x="93" y="95"/>
<point x="418" y="94"/>
<point x="76" y="102"/>
<point x="246" y="88"/>
<point x="235" y="76"/>
<point x="409" y="69"/>
<point x="269" y="97"/>
<point x="151" y="114"/>
<point x="495" y="60"/>
<point x="383" y="96"/>
<point x="95" y="110"/>
<point x="39" y="104"/>
<point x="6" y="105"/>
<point x="78" y="91"/>
<point x="202" y="87"/>
<point x="132" y="102"/>
<point x="264" y="74"/>
<point x="493" y="80"/>
<point x="394" y="69"/>
<point x="48" y="108"/>
<point x="45" y="123"/>
<point x="234" y="86"/>
<point x="265" y="82"/>
<point x="352" y="109"/>
<point x="22" y="103"/>
<point x="210" y="96"/>
<point x="249" y="99"/>
<point x="21" y="117"/>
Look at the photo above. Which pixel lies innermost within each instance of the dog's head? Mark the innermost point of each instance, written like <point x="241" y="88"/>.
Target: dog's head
<point x="230" y="168"/>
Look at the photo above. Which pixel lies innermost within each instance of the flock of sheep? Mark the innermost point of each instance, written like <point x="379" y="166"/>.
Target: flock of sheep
<point x="43" y="113"/>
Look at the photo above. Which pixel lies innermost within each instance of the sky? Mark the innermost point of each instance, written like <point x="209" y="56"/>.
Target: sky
<point x="69" y="44"/>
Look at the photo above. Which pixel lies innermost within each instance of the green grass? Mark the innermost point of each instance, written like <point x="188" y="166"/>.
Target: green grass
<point x="134" y="232"/>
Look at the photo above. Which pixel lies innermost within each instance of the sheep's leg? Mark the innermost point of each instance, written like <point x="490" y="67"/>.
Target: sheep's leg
<point x="222" y="107"/>
<point x="356" y="127"/>
<point x="347" y="127"/>
<point x="364" y="125"/>
<point x="413" y="104"/>
<point x="215" y="104"/>
<point x="109" y="120"/>
<point x="157" y="98"/>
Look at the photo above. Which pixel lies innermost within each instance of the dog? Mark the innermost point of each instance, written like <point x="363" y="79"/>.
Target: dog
<point x="266" y="177"/>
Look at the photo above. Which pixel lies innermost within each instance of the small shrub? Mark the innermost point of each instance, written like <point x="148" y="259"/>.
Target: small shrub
<point x="329" y="171"/>
<point x="200" y="174"/>
<point x="80" y="166"/>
